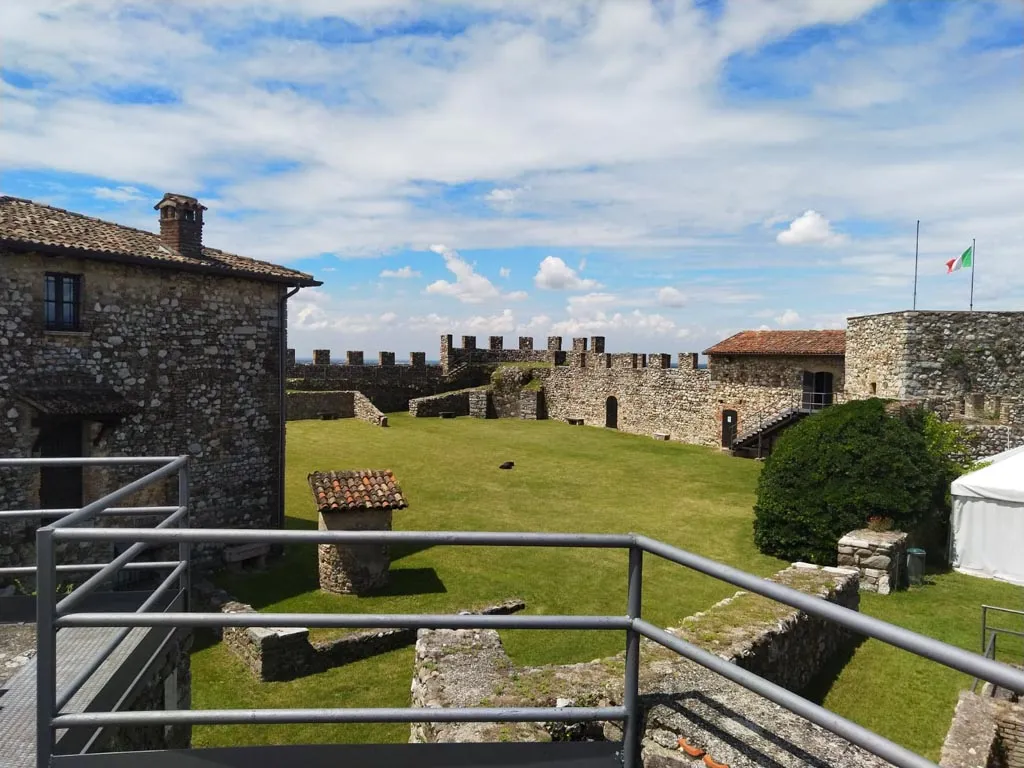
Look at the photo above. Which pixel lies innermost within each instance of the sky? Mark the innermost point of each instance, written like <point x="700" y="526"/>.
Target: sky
<point x="660" y="172"/>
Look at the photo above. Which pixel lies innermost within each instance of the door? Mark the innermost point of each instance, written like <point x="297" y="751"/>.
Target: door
<point x="611" y="413"/>
<point x="60" y="487"/>
<point x="729" y="420"/>
<point x="817" y="390"/>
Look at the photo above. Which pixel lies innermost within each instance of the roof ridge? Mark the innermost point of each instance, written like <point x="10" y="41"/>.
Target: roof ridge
<point x="88" y="217"/>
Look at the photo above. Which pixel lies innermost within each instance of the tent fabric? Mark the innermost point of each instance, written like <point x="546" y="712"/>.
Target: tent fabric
<point x="1002" y="480"/>
<point x="987" y="526"/>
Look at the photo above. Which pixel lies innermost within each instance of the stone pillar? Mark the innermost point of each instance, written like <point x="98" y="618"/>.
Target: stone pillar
<point x="880" y="556"/>
<point x="469" y="342"/>
<point x="387" y="358"/>
<point x="579" y="344"/>
<point x="321" y="357"/>
<point x="354" y="357"/>
<point x="597" y="344"/>
<point x="290" y="358"/>
<point x="526" y="343"/>
<point x="641" y="359"/>
<point x="554" y="343"/>
<point x="688" y="360"/>
<point x="496" y="343"/>
<point x="354" y="569"/>
<point x="418" y="359"/>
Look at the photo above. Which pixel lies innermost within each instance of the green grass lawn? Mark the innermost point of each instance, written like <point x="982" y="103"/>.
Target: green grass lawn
<point x="565" y="479"/>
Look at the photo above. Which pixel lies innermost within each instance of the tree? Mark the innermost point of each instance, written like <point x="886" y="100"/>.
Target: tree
<point x="830" y="473"/>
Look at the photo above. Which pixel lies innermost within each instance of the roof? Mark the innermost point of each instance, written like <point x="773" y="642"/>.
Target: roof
<point x="356" y="490"/>
<point x="1002" y="481"/>
<point x="781" y="343"/>
<point x="29" y="226"/>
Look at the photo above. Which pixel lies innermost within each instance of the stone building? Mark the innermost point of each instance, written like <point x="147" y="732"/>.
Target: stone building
<point x="358" y="500"/>
<point x="116" y="341"/>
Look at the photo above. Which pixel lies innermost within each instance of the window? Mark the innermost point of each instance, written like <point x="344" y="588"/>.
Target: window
<point x="62" y="301"/>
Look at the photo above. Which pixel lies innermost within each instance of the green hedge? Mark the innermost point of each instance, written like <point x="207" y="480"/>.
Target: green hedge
<point x="830" y="473"/>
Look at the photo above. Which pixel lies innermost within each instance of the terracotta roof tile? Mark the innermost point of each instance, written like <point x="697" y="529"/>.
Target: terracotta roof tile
<point x="25" y="224"/>
<point x="781" y="343"/>
<point x="356" y="490"/>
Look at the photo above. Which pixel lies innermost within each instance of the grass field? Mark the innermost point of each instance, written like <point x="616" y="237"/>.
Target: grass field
<point x="565" y="479"/>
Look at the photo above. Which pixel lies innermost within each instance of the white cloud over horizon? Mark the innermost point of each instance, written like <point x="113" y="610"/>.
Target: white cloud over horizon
<point x="810" y="227"/>
<point x="554" y="274"/>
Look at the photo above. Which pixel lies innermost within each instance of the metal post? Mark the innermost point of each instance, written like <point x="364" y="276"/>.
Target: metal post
<point x="184" y="547"/>
<point x="46" y="645"/>
<point x="984" y="631"/>
<point x="631" y="691"/>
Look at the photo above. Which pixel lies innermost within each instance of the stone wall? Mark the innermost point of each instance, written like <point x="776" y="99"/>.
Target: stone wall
<point x="354" y="569"/>
<point x="481" y="404"/>
<point x="311" y="405"/>
<point x="465" y="668"/>
<point x="985" y="733"/>
<point x="167" y="686"/>
<point x="367" y="411"/>
<point x="457" y="402"/>
<point x="876" y="356"/>
<point x="389" y="387"/>
<point x="453" y="356"/>
<point x="531" y="404"/>
<point x="285" y="653"/>
<point x="878" y="556"/>
<point x="196" y="360"/>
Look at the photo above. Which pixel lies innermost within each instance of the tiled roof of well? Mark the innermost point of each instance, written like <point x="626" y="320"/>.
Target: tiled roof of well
<point x="25" y="225"/>
<point x="356" y="490"/>
<point x="781" y="343"/>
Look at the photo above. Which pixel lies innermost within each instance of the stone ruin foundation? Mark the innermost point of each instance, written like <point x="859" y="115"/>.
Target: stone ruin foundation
<point x="879" y="556"/>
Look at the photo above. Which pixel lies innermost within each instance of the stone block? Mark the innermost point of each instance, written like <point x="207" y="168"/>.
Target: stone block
<point x="496" y="343"/>
<point x="321" y="357"/>
<point x="469" y="342"/>
<point x="597" y="344"/>
<point x="354" y="357"/>
<point x="418" y="359"/>
<point x="554" y="343"/>
<point x="526" y="343"/>
<point x="876" y="561"/>
<point x="579" y="344"/>
<point x="290" y="358"/>
<point x="386" y="358"/>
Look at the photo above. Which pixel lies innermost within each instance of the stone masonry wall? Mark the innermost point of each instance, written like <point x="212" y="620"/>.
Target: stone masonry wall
<point x="367" y="411"/>
<point x="876" y="356"/>
<point x="175" y="664"/>
<point x="196" y="356"/>
<point x="453" y="356"/>
<point x="878" y="556"/>
<point x="388" y="387"/>
<point x="985" y="733"/>
<point x="310" y="405"/>
<point x="457" y="402"/>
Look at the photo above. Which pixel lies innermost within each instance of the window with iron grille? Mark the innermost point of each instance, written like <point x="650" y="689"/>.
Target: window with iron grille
<point x="62" y="301"/>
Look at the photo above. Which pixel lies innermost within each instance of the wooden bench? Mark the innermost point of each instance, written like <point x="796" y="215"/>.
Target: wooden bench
<point x="447" y="414"/>
<point x="328" y="416"/>
<point x="239" y="554"/>
<point x="661" y="435"/>
<point x="575" y="422"/>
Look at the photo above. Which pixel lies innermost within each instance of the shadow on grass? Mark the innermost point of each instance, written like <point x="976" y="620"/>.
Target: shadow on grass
<point x="411" y="581"/>
<point x="822" y="683"/>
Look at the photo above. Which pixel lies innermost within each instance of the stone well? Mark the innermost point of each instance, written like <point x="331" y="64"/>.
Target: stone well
<point x="359" y="500"/>
<point x="878" y="555"/>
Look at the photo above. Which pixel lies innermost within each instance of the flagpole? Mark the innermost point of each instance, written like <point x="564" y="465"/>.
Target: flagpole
<point x="973" y="257"/>
<point x="917" y="241"/>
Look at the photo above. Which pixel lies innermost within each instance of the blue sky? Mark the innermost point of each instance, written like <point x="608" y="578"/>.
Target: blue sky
<point x="663" y="173"/>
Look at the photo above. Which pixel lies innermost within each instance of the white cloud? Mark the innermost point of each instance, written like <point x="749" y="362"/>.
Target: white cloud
<point x="589" y="301"/>
<point x="504" y="272"/>
<point x="118" y="194"/>
<point x="811" y="227"/>
<point x="555" y="275"/>
<point x="503" y="322"/>
<point x="671" y="297"/>
<point x="505" y="198"/>
<point x="403" y="273"/>
<point x="787" y="318"/>
<point x="313" y="309"/>
<point x="644" y="323"/>
<point x="470" y="287"/>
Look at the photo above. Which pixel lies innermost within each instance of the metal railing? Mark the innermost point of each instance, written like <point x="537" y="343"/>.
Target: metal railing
<point x="49" y="610"/>
<point x="54" y="615"/>
<point x="797" y="401"/>
<point x="990" y="635"/>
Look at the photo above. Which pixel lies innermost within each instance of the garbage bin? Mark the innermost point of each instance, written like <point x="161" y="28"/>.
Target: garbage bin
<point x="915" y="566"/>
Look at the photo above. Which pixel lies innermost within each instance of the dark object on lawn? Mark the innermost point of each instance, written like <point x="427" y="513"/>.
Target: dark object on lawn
<point x="507" y="465"/>
<point x="447" y="414"/>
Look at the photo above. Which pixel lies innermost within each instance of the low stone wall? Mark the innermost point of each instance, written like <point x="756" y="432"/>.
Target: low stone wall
<point x="531" y="404"/>
<point x="990" y="439"/>
<point x="367" y="411"/>
<point x="985" y="733"/>
<point x="457" y="402"/>
<point x="278" y="654"/>
<point x="310" y="405"/>
<point x="481" y="404"/>
<point x="879" y="557"/>
<point x="465" y="668"/>
<point x="353" y="569"/>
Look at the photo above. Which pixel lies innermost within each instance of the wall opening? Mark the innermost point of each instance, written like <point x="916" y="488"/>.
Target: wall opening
<point x="729" y="421"/>
<point x="611" y="413"/>
<point x="874" y="388"/>
<point x="60" y="487"/>
<point x="817" y="390"/>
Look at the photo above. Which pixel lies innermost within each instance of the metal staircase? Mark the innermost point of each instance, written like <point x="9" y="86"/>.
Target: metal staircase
<point x="766" y="425"/>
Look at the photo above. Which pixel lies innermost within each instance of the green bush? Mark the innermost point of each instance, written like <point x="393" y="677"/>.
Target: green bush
<point x="830" y="473"/>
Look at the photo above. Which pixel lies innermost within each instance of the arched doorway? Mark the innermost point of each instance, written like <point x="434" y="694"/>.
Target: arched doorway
<point x="611" y="413"/>
<point x="728" y="428"/>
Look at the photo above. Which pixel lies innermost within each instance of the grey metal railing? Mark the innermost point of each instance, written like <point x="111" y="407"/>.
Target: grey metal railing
<point x="990" y="635"/>
<point x="54" y="616"/>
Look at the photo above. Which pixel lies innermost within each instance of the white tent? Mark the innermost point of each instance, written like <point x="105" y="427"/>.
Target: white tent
<point x="987" y="530"/>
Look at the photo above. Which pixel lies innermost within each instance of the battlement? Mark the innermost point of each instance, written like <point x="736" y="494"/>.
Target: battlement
<point x="356" y="357"/>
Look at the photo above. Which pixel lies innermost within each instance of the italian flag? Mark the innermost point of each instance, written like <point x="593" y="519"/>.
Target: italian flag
<point x="965" y="259"/>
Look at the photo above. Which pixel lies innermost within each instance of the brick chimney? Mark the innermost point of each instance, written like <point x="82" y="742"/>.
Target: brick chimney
<point x="181" y="224"/>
